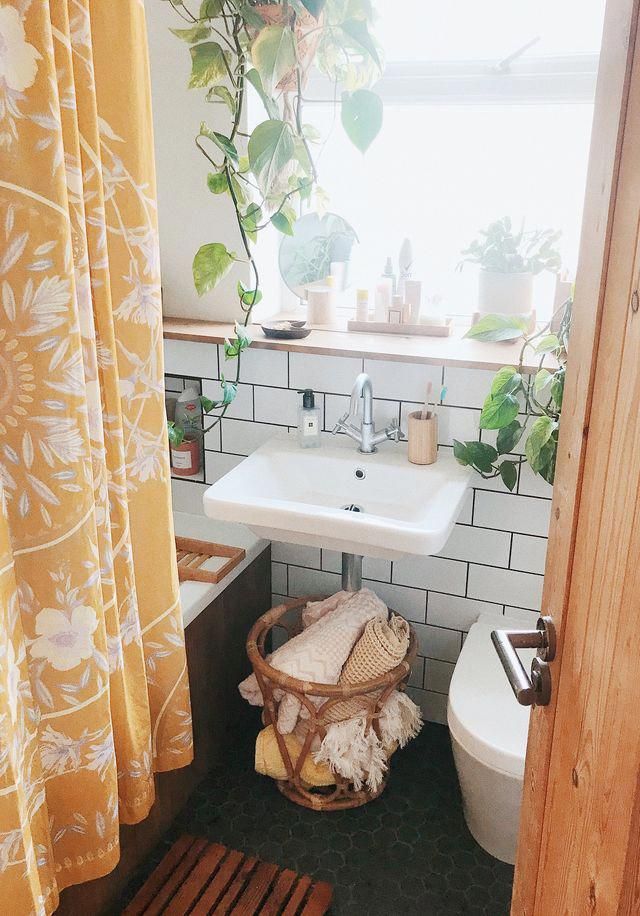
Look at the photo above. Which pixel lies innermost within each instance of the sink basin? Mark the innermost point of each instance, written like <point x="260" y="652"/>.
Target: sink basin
<point x="376" y="505"/>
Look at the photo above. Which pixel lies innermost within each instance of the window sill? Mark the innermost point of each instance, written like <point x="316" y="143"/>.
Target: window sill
<point x="447" y="351"/>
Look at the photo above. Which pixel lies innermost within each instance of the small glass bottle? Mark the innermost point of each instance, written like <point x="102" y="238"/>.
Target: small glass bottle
<point x="308" y="421"/>
<point x="362" y="305"/>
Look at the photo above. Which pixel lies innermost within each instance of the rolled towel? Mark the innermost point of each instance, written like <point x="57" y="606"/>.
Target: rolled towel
<point x="380" y="649"/>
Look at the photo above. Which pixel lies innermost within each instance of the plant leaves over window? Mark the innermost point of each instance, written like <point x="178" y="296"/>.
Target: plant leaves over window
<point x="207" y="64"/>
<point x="274" y="55"/>
<point x="270" y="150"/>
<point x="211" y="263"/>
<point x="362" y="117"/>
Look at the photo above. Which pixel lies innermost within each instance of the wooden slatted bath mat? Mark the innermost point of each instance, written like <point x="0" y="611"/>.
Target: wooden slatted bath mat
<point x="197" y="877"/>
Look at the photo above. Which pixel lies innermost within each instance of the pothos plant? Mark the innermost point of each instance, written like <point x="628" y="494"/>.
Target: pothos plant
<point x="515" y="391"/>
<point x="269" y="173"/>
<point x="504" y="251"/>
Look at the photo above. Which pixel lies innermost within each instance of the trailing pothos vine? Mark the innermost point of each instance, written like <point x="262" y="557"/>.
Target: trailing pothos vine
<point x="515" y="392"/>
<point x="269" y="174"/>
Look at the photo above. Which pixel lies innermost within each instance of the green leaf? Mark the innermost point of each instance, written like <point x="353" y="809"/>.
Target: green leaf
<point x="211" y="263"/>
<point x="242" y="341"/>
<point x="541" y="432"/>
<point x="508" y="437"/>
<point x="548" y="454"/>
<point x="314" y="7"/>
<point x="499" y="411"/>
<point x="210" y="9"/>
<point x="497" y="327"/>
<point x="225" y="96"/>
<point x="557" y="388"/>
<point x="248" y="296"/>
<point x="223" y="143"/>
<point x="460" y="452"/>
<point x="229" y="391"/>
<point x="509" y="474"/>
<point x="196" y="33"/>
<point x="507" y="381"/>
<point x="270" y="150"/>
<point x="282" y="224"/>
<point x="239" y="191"/>
<point x="481" y="455"/>
<point x="358" y="35"/>
<point x="250" y="219"/>
<point x="217" y="182"/>
<point x="547" y="344"/>
<point x="175" y="433"/>
<point x="252" y="76"/>
<point x="541" y="382"/>
<point x="250" y="16"/>
<point x="243" y="335"/>
<point x="207" y="64"/>
<point x="362" y="117"/>
<point x="273" y="54"/>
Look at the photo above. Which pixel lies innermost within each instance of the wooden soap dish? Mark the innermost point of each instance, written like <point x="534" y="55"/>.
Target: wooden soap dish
<point x="192" y="554"/>
<point x="409" y="330"/>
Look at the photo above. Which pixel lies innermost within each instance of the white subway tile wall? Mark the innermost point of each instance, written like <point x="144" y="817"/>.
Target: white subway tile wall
<point x="494" y="559"/>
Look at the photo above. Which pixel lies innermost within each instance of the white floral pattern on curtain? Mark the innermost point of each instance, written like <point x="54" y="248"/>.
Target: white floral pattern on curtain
<point x="93" y="683"/>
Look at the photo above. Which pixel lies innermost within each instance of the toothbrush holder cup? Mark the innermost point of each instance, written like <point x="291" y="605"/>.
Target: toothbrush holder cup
<point x="423" y="437"/>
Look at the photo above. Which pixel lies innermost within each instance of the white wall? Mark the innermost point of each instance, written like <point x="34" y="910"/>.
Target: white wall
<point x="494" y="559"/>
<point x="189" y="215"/>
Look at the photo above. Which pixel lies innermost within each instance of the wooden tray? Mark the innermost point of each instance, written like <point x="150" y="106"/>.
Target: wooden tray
<point x="192" y="554"/>
<point x="409" y="330"/>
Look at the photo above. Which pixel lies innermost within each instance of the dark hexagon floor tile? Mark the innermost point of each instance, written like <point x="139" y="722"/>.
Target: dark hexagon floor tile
<point x="409" y="853"/>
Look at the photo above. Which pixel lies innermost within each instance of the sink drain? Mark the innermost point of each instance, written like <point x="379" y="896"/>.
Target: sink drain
<point x="352" y="507"/>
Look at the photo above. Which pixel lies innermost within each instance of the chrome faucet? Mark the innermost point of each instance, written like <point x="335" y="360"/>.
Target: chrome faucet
<point x="365" y="435"/>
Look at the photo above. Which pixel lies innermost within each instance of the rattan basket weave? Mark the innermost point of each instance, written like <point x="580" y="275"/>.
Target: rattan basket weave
<point x="371" y="696"/>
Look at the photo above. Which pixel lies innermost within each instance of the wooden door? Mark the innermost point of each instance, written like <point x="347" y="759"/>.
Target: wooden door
<point x="579" y="848"/>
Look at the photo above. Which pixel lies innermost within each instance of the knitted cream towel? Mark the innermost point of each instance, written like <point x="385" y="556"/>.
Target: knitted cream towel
<point x="382" y="646"/>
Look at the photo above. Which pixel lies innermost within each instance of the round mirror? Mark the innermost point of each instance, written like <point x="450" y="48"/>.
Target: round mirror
<point x="320" y="247"/>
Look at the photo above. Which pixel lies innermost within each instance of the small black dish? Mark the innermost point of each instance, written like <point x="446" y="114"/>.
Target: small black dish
<point x="286" y="330"/>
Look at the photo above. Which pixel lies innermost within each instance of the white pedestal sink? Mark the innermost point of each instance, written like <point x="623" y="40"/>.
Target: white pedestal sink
<point x="303" y="496"/>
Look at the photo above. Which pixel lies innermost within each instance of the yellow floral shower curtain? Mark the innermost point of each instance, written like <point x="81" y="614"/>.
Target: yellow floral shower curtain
<point x="93" y="683"/>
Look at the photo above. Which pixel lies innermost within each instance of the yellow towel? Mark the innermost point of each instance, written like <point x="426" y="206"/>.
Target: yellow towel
<point x="269" y="762"/>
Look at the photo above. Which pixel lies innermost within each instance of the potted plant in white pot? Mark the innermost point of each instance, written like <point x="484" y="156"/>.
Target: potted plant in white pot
<point x="508" y="263"/>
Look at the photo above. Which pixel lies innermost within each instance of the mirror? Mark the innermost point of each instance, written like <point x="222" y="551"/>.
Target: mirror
<point x="320" y="246"/>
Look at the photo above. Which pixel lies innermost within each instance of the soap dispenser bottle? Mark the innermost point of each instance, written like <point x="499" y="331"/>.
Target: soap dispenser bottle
<point x="308" y="421"/>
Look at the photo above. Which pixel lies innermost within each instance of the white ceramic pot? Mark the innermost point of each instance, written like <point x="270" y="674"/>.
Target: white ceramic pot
<point x="505" y="294"/>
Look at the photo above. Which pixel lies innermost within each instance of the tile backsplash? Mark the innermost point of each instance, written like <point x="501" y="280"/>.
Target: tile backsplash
<point x="494" y="559"/>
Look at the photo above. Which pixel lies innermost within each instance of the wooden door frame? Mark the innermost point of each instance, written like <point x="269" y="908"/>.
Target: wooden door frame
<point x="619" y="72"/>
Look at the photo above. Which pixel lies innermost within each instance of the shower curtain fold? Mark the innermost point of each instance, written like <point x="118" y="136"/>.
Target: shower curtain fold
<point x="94" y="691"/>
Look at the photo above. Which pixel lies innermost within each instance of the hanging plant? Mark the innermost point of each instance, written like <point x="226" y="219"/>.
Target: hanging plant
<point x="514" y="392"/>
<point x="269" y="174"/>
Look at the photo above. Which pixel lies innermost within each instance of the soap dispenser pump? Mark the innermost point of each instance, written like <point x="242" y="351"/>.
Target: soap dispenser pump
<point x="308" y="421"/>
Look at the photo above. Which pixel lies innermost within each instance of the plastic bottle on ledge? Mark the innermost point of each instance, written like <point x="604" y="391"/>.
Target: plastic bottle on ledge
<point x="389" y="273"/>
<point x="362" y="305"/>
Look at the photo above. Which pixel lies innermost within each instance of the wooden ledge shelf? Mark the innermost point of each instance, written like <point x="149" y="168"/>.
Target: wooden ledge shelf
<point x="440" y="351"/>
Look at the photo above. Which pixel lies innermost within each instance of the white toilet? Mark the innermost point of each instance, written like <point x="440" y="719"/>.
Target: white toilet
<point x="489" y="737"/>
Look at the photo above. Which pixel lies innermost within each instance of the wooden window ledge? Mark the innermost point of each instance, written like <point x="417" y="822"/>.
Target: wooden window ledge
<point x="447" y="351"/>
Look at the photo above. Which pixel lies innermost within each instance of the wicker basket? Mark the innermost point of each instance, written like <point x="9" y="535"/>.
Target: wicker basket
<point x="372" y="695"/>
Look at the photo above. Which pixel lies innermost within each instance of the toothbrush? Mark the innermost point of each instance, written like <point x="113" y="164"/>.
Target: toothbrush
<point x="426" y="411"/>
<point x="424" y="415"/>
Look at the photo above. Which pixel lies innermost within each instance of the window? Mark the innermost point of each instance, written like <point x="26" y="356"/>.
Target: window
<point x="473" y="130"/>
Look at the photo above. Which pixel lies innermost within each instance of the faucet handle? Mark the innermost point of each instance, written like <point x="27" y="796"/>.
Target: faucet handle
<point x="341" y="424"/>
<point x="395" y="432"/>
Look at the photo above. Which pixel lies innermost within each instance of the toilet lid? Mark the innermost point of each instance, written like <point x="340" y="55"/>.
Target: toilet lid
<point x="483" y="714"/>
